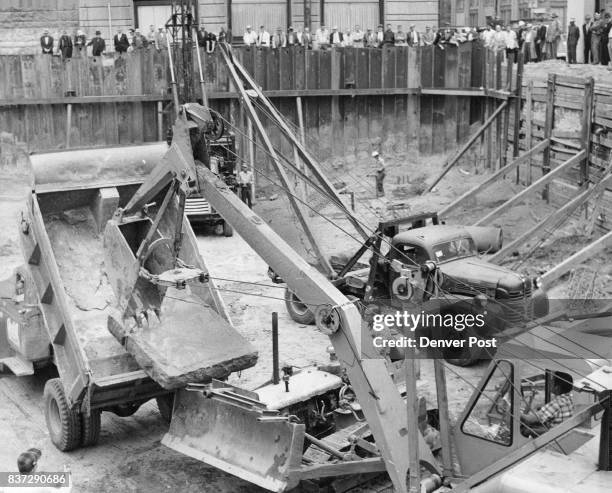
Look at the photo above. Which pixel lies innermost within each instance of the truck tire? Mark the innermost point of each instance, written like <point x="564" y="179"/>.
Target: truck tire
<point x="63" y="423"/>
<point x="227" y="230"/>
<point x="297" y="310"/>
<point x="165" y="403"/>
<point x="90" y="428"/>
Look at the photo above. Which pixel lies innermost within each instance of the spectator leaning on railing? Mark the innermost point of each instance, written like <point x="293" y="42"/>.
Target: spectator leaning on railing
<point x="98" y="45"/>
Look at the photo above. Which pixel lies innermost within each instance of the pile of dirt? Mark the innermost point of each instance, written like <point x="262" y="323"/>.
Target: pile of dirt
<point x="539" y="71"/>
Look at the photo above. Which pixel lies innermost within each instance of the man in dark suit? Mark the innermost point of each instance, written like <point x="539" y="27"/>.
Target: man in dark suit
<point x="335" y="37"/>
<point x="65" y="45"/>
<point x="541" y="42"/>
<point x="573" y="35"/>
<point x="389" y="36"/>
<point x="98" y="45"/>
<point x="46" y="43"/>
<point x="586" y="37"/>
<point x="121" y="42"/>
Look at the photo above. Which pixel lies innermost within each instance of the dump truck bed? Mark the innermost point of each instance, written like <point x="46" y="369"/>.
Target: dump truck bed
<point x="79" y="255"/>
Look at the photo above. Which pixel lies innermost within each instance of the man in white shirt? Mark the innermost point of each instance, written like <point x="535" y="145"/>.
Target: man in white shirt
<point x="263" y="37"/>
<point x="335" y="38"/>
<point x="245" y="182"/>
<point x="413" y="36"/>
<point x="380" y="35"/>
<point x="322" y="37"/>
<point x="358" y="37"/>
<point x="249" y="36"/>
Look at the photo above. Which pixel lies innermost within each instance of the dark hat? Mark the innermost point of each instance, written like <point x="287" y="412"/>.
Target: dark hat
<point x="98" y="32"/>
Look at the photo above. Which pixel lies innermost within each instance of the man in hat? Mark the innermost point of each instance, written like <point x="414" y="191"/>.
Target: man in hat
<point x="80" y="41"/>
<point x="249" y="37"/>
<point x="413" y="38"/>
<point x="379" y="174"/>
<point x="120" y="40"/>
<point x="586" y="36"/>
<point x="263" y="37"/>
<point x="46" y="43"/>
<point x="335" y="37"/>
<point x="556" y="411"/>
<point x="65" y="45"/>
<point x="428" y="36"/>
<point x="322" y="37"/>
<point x="160" y="39"/>
<point x="245" y="182"/>
<point x="380" y="36"/>
<point x="98" y="45"/>
<point x="573" y="35"/>
<point x="597" y="30"/>
<point x="553" y="35"/>
<point x="279" y="39"/>
<point x="292" y="37"/>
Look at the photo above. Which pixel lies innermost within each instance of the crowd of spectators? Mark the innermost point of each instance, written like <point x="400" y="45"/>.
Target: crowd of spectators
<point x="538" y="40"/>
<point x="324" y="37"/>
<point x="123" y="42"/>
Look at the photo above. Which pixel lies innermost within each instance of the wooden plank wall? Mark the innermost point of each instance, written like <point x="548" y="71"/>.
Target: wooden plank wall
<point x="569" y="97"/>
<point x="117" y="96"/>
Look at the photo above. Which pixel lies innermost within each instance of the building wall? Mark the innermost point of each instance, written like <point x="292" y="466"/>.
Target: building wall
<point x="421" y="13"/>
<point x="23" y="21"/>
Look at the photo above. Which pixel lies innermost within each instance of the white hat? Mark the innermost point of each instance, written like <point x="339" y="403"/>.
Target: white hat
<point x="521" y="23"/>
<point x="375" y="154"/>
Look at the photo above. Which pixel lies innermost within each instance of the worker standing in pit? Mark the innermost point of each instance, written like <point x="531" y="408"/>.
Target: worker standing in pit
<point x="245" y="182"/>
<point x="380" y="174"/>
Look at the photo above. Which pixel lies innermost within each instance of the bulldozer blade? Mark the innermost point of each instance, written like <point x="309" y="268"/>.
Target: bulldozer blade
<point x="237" y="439"/>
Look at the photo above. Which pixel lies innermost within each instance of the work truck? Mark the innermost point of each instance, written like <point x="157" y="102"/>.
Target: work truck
<point x="469" y="282"/>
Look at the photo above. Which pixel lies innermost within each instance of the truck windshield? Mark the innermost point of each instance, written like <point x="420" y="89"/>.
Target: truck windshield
<point x="457" y="248"/>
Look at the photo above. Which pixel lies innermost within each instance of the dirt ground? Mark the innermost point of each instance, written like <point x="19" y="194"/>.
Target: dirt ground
<point x="130" y="456"/>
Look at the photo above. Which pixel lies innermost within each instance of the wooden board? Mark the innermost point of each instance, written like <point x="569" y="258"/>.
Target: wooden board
<point x="362" y="80"/>
<point x="286" y="68"/>
<point x="426" y="124"/>
<point x="260" y="67"/>
<point x="299" y="68"/>
<point x="325" y="69"/>
<point x="312" y="69"/>
<point x="388" y="66"/>
<point x="375" y="68"/>
<point x="401" y="66"/>
<point x="427" y="66"/>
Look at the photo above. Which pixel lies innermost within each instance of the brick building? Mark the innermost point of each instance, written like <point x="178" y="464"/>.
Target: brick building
<point x="22" y="21"/>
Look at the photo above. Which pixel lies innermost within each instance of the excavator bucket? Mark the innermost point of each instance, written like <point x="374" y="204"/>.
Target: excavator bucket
<point x="228" y="428"/>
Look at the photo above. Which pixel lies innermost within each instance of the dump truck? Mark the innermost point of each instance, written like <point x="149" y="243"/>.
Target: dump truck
<point x="73" y="292"/>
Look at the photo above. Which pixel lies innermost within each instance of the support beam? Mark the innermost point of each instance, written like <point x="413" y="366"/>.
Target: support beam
<point x="540" y="228"/>
<point x="587" y="117"/>
<point x="575" y="260"/>
<point x="528" y="111"/>
<point x="542" y="182"/>
<point x="466" y="146"/>
<point x="308" y="160"/>
<point x="494" y="177"/>
<point x="548" y="128"/>
<point x="383" y="407"/>
<point x="445" y="426"/>
<point x="280" y="170"/>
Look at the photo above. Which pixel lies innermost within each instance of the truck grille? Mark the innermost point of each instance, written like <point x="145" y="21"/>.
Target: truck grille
<point x="195" y="206"/>
<point x="519" y="305"/>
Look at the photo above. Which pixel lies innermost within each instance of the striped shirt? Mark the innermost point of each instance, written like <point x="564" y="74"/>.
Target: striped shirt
<point x="557" y="410"/>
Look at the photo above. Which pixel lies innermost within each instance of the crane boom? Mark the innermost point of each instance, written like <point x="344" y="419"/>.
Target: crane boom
<point x="367" y="370"/>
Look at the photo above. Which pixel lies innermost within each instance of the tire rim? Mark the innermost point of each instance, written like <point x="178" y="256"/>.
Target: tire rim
<point x="55" y="420"/>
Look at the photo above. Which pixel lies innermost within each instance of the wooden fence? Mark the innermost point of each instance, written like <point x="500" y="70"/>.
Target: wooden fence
<point x="354" y="99"/>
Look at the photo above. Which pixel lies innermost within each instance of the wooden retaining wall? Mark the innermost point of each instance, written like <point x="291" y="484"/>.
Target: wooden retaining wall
<point x="354" y="99"/>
